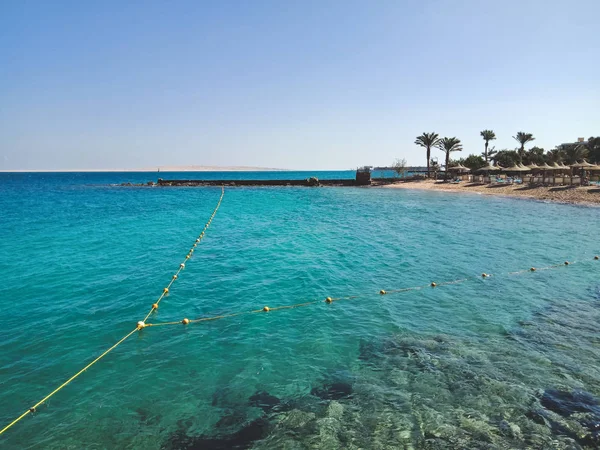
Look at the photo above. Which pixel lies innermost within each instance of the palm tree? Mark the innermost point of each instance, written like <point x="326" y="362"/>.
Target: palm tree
<point x="487" y="135"/>
<point x="592" y="145"/>
<point x="556" y="155"/>
<point x="428" y="140"/>
<point x="449" y="145"/>
<point x="574" y="152"/>
<point x="523" y="139"/>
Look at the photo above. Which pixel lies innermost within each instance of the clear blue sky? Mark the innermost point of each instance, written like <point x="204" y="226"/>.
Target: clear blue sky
<point x="296" y="85"/>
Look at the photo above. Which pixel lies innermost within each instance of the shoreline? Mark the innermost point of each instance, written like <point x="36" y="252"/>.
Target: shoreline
<point x="581" y="195"/>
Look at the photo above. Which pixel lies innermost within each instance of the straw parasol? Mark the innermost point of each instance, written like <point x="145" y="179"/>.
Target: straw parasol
<point x="459" y="168"/>
<point x="545" y="168"/>
<point x="524" y="168"/>
<point x="582" y="165"/>
<point x="517" y="168"/>
<point x="557" y="167"/>
<point x="489" y="168"/>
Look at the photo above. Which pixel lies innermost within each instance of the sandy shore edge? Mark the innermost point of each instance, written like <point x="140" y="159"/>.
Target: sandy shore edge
<point x="583" y="195"/>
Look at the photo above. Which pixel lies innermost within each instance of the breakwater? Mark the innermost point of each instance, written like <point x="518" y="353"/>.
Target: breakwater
<point x="307" y="182"/>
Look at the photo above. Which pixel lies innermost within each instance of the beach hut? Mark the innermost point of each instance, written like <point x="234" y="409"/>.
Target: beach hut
<point x="516" y="170"/>
<point x="559" y="168"/>
<point x="459" y="169"/>
<point x="583" y="165"/>
<point x="487" y="170"/>
<point x="524" y="170"/>
<point x="534" y="168"/>
<point x="545" y="168"/>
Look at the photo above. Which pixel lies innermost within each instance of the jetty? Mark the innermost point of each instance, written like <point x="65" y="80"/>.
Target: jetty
<point x="362" y="178"/>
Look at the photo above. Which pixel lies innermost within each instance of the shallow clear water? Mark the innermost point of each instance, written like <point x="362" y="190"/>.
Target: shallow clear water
<point x="82" y="261"/>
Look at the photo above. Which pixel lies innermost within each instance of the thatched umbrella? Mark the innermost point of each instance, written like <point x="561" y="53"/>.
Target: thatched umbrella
<point x="583" y="165"/>
<point x="489" y="168"/>
<point x="459" y="168"/>
<point x="534" y="168"/>
<point x="517" y="169"/>
<point x="557" y="167"/>
<point x="545" y="168"/>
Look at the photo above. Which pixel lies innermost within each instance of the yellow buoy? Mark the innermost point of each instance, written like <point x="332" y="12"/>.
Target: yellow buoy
<point x="187" y="256"/>
<point x="433" y="284"/>
<point x="141" y="324"/>
<point x="567" y="263"/>
<point x="382" y="292"/>
<point x="266" y="309"/>
<point x="484" y="275"/>
<point x="596" y="257"/>
<point x="185" y="321"/>
<point x="182" y="265"/>
<point x="32" y="409"/>
<point x="197" y="240"/>
<point x="174" y="277"/>
<point x="328" y="300"/>
<point x="532" y="269"/>
<point x="166" y="290"/>
<point x="155" y="306"/>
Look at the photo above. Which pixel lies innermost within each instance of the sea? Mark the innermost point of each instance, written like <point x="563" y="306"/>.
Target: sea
<point x="509" y="360"/>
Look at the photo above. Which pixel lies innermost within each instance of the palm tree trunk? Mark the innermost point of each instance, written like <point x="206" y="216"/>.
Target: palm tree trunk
<point x="485" y="154"/>
<point x="428" y="159"/>
<point x="521" y="152"/>
<point x="447" y="162"/>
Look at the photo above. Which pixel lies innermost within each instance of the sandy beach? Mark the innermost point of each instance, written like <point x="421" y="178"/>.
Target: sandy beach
<point x="564" y="194"/>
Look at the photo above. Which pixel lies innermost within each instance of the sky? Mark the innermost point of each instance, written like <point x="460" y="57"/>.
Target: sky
<point x="314" y="84"/>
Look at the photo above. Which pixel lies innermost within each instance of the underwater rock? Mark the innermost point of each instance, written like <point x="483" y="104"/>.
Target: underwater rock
<point x="567" y="403"/>
<point x="295" y="419"/>
<point x="368" y="351"/>
<point x="574" y="414"/>
<point x="327" y="433"/>
<point x="510" y="429"/>
<point x="230" y="422"/>
<point x="244" y="438"/>
<point x="333" y="391"/>
<point x="335" y="410"/>
<point x="264" y="401"/>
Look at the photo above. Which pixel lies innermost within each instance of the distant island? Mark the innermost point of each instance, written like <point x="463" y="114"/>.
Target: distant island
<point x="162" y="169"/>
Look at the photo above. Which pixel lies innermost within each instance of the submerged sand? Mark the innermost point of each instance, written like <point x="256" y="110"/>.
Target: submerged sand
<point x="562" y="194"/>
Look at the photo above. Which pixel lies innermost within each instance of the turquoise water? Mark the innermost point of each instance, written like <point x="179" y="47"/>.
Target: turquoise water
<point x="461" y="365"/>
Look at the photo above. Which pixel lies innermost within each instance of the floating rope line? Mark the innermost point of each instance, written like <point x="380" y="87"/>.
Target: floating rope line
<point x="330" y="300"/>
<point x="140" y="325"/>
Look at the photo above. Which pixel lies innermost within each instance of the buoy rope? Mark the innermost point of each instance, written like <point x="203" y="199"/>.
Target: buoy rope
<point x="140" y="324"/>
<point x="350" y="297"/>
